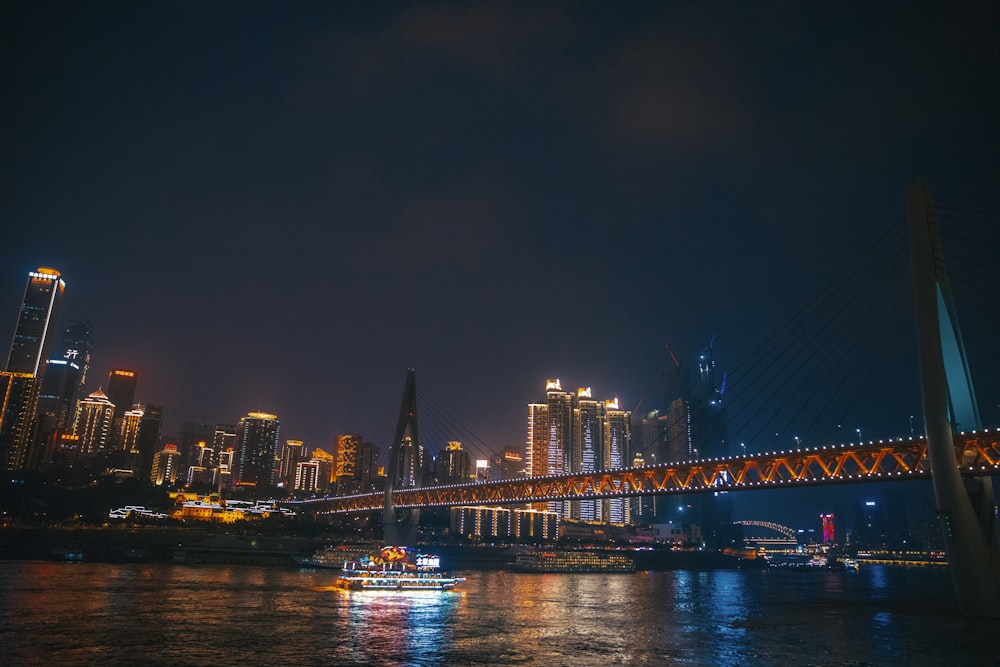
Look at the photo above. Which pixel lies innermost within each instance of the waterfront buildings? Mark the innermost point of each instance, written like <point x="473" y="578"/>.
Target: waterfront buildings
<point x="20" y="381"/>
<point x="65" y="376"/>
<point x="572" y="433"/>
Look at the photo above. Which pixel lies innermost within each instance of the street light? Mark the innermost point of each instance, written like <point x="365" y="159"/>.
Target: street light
<point x="744" y="448"/>
<point x="859" y="436"/>
<point x="798" y="441"/>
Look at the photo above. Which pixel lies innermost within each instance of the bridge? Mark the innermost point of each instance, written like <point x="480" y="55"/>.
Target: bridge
<point x="960" y="465"/>
<point x="874" y="461"/>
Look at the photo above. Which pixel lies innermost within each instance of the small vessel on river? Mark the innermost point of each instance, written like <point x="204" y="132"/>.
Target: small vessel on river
<point x="396" y="569"/>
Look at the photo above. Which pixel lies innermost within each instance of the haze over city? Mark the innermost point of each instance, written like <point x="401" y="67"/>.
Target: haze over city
<point x="275" y="208"/>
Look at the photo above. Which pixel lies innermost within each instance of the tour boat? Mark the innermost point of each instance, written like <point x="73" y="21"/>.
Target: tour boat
<point x="396" y="569"/>
<point x="545" y="560"/>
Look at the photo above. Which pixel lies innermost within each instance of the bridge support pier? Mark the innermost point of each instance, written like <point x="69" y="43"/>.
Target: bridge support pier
<point x="965" y="508"/>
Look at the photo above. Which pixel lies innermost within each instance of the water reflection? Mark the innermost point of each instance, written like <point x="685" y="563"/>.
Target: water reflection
<point x="411" y="627"/>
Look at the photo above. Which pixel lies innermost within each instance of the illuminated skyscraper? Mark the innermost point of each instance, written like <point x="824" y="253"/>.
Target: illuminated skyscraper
<point x="94" y="416"/>
<point x="452" y="465"/>
<point x="617" y="452"/>
<point x="537" y="446"/>
<point x="256" y="449"/>
<point x="165" y="465"/>
<point x="587" y="449"/>
<point x="65" y="375"/>
<point x="38" y="311"/>
<point x="291" y="456"/>
<point x="20" y="381"/>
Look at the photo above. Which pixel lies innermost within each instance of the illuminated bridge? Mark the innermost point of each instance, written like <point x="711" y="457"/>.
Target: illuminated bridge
<point x="875" y="461"/>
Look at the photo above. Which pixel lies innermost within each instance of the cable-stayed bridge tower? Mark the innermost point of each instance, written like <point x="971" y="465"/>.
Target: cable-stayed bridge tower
<point x="964" y="505"/>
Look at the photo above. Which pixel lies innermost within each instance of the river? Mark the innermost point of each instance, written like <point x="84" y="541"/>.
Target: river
<point x="162" y="614"/>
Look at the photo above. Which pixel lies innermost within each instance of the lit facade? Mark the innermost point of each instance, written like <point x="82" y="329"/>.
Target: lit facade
<point x="256" y="449"/>
<point x="94" y="416"/>
<point x="291" y="455"/>
<point x="522" y="525"/>
<point x="453" y="465"/>
<point x="165" y="465"/>
<point x="21" y="379"/>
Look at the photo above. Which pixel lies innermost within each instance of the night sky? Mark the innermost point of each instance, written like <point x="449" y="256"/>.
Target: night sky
<point x="283" y="208"/>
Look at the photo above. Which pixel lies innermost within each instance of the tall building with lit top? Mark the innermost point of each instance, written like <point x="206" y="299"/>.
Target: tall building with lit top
<point x="94" y="417"/>
<point x="587" y="449"/>
<point x="617" y="451"/>
<point x="65" y="376"/>
<point x="165" y="465"/>
<point x="453" y="465"/>
<point x="20" y="381"/>
<point x="256" y="448"/>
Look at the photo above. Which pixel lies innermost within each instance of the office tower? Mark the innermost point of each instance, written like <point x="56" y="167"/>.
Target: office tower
<point x="587" y="449"/>
<point x="38" y="311"/>
<point x="147" y="439"/>
<point x="224" y="438"/>
<point x="617" y="450"/>
<point x="291" y="455"/>
<point x="452" y="465"/>
<point x="256" y="448"/>
<point x="94" y="416"/>
<point x="65" y="375"/>
<point x="326" y="467"/>
<point x="20" y="381"/>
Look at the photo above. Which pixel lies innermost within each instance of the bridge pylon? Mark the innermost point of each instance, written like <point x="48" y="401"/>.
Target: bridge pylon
<point x="400" y="526"/>
<point x="964" y="505"/>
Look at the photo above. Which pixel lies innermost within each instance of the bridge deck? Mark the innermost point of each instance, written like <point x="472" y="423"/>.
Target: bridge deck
<point x="977" y="453"/>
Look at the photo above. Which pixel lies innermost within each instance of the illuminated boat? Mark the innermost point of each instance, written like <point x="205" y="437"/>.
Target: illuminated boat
<point x="396" y="569"/>
<point x="572" y="561"/>
<point x="333" y="558"/>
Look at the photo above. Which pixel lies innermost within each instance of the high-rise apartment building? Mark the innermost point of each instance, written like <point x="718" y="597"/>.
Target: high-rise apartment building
<point x="291" y="455"/>
<point x="508" y="464"/>
<point x="256" y="449"/>
<point x="20" y="381"/>
<point x="166" y="463"/>
<point x="617" y="452"/>
<point x="452" y="465"/>
<point x="587" y="449"/>
<point x="571" y="433"/>
<point x="94" y="417"/>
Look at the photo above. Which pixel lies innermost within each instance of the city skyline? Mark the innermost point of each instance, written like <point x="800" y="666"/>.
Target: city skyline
<point x="285" y="208"/>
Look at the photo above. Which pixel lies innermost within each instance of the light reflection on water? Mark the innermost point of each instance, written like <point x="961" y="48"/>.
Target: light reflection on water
<point x="181" y="615"/>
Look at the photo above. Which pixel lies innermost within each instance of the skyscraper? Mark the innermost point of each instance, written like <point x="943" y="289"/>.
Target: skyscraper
<point x="65" y="375"/>
<point x="617" y="452"/>
<point x="21" y="378"/>
<point x="452" y="465"/>
<point x="256" y="449"/>
<point x="94" y="416"/>
<point x="587" y="449"/>
<point x="38" y="311"/>
<point x="121" y="391"/>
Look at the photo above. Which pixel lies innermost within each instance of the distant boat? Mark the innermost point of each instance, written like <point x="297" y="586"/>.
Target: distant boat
<point x="396" y="569"/>
<point x="558" y="561"/>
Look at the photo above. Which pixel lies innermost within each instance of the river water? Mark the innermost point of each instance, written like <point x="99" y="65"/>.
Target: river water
<point x="135" y="614"/>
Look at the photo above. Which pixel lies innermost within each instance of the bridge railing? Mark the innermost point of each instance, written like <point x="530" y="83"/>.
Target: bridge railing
<point x="977" y="453"/>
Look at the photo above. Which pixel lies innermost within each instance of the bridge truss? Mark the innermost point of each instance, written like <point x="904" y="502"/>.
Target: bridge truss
<point x="978" y="453"/>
